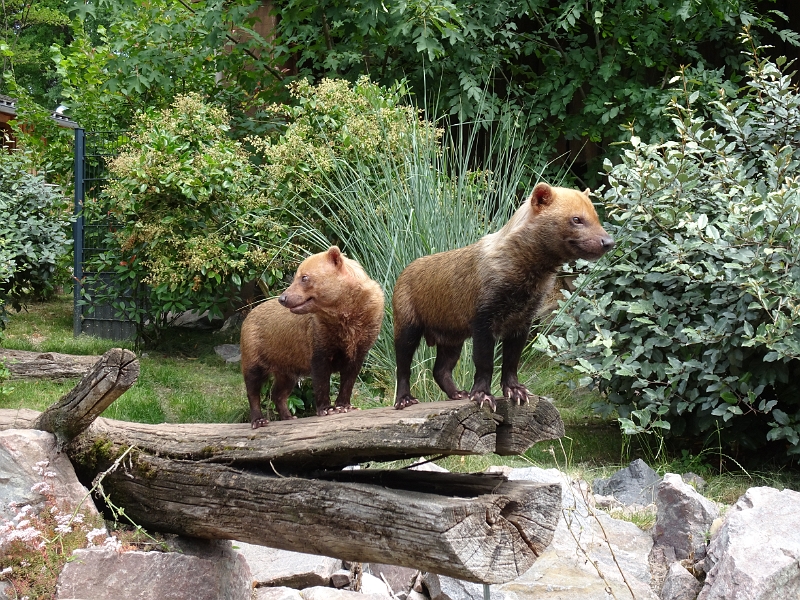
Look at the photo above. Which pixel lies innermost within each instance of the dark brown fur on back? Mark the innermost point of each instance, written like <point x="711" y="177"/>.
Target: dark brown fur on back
<point x="491" y="290"/>
<point x="324" y="323"/>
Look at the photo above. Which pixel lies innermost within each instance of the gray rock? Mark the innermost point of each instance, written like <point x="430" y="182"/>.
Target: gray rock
<point x="28" y="458"/>
<point x="6" y="592"/>
<point x="447" y="588"/>
<point x="276" y="593"/>
<point x="756" y="552"/>
<point x="680" y="584"/>
<point x="694" y="480"/>
<point x="272" y="567"/>
<point x="400" y="579"/>
<point x="413" y="595"/>
<point x="326" y="593"/>
<point x="341" y="579"/>
<point x="583" y="538"/>
<point x="421" y="465"/>
<point x="230" y="353"/>
<point x="684" y="517"/>
<point x="634" y="484"/>
<point x="217" y="573"/>
<point x="374" y="586"/>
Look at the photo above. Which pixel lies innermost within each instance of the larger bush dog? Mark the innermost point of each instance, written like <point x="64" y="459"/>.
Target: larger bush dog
<point x="325" y="322"/>
<point x="490" y="291"/>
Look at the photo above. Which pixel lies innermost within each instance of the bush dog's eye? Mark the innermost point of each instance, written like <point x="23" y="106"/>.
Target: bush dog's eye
<point x="304" y="278"/>
<point x="577" y="220"/>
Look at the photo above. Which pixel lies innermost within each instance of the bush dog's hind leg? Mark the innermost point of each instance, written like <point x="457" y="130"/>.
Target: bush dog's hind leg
<point x="446" y="359"/>
<point x="281" y="388"/>
<point x="254" y="380"/>
<point x="406" y="340"/>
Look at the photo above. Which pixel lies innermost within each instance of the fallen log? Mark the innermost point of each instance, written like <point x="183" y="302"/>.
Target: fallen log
<point x="24" y="364"/>
<point x="473" y="527"/>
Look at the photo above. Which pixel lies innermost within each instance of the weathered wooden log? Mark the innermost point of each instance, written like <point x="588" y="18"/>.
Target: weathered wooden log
<point x="24" y="364"/>
<point x="336" y="441"/>
<point x="473" y="527"/>
<point x="525" y="425"/>
<point x="115" y="372"/>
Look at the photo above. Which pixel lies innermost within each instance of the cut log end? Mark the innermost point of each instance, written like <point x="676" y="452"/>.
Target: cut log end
<point x="525" y="425"/>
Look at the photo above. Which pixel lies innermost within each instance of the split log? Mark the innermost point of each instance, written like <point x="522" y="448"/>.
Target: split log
<point x="46" y="365"/>
<point x="112" y="375"/>
<point x="477" y="528"/>
<point x="336" y="441"/>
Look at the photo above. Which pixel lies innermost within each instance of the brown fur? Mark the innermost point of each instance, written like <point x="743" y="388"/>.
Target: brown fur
<point x="325" y="322"/>
<point x="491" y="290"/>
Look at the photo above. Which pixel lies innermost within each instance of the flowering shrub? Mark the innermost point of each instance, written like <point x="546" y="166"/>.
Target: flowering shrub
<point x="35" y="545"/>
<point x="693" y="326"/>
<point x="334" y="120"/>
<point x="180" y="193"/>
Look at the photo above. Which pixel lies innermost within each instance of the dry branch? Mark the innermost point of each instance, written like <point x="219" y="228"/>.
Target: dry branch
<point x="115" y="372"/>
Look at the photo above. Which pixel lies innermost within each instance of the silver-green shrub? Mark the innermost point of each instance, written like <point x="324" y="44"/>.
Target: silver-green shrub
<point x="692" y="326"/>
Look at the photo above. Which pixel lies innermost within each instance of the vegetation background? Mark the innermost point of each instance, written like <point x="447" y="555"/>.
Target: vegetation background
<point x="258" y="133"/>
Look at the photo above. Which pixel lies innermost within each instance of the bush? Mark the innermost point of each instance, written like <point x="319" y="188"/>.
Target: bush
<point x="332" y="121"/>
<point x="179" y="196"/>
<point x="692" y="326"/>
<point x="34" y="232"/>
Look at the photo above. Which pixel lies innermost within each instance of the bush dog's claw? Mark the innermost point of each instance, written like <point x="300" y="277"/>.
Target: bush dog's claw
<point x="405" y="401"/>
<point x="482" y="397"/>
<point x="259" y="423"/>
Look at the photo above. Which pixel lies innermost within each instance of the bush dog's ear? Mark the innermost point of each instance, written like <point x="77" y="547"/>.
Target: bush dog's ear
<point x="541" y="196"/>
<point x="587" y="191"/>
<point x="335" y="256"/>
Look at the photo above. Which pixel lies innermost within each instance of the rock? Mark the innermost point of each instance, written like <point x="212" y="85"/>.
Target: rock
<point x="230" y="353"/>
<point x="6" y="591"/>
<point x="633" y="485"/>
<point x="29" y="461"/>
<point x="341" y="579"/>
<point x="756" y="552"/>
<point x="399" y="579"/>
<point x="373" y="586"/>
<point x="679" y="584"/>
<point x="455" y="589"/>
<point x="694" y="480"/>
<point x="194" y="320"/>
<point x="421" y="465"/>
<point x="234" y="322"/>
<point x="271" y="567"/>
<point x="214" y="572"/>
<point x="326" y="593"/>
<point x="684" y="517"/>
<point x="583" y="537"/>
<point x="276" y="593"/>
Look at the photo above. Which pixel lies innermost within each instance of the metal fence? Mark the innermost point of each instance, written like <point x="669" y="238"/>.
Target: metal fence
<point x="93" y="151"/>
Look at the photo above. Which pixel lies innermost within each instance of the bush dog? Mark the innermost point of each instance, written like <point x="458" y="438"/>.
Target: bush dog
<point x="490" y="291"/>
<point x="325" y="322"/>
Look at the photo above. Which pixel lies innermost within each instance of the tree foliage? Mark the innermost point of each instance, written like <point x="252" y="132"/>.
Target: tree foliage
<point x="576" y="70"/>
<point x="694" y="325"/>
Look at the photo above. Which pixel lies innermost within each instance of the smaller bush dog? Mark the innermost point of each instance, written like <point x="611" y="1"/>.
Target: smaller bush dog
<point x="325" y="322"/>
<point x="491" y="290"/>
